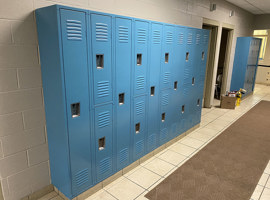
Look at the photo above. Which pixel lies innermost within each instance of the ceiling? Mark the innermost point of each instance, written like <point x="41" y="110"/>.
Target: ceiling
<point x="254" y="6"/>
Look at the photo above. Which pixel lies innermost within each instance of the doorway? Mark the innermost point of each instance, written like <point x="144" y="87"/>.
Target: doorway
<point x="209" y="73"/>
<point x="223" y="61"/>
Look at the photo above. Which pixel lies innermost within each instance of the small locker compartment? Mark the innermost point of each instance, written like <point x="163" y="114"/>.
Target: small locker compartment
<point x="74" y="41"/>
<point x="101" y="31"/>
<point x="167" y="56"/>
<point x="139" y="128"/>
<point x="123" y="63"/>
<point x="103" y="141"/>
<point x="165" y="119"/>
<point x="141" y="56"/>
<point x="153" y="86"/>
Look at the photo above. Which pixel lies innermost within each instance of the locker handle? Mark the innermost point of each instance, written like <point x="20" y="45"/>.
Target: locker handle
<point x="187" y="56"/>
<point x="175" y="85"/>
<point x="163" y="117"/>
<point x="75" y="110"/>
<point x="166" y="57"/>
<point x="121" y="98"/>
<point x="101" y="143"/>
<point x="198" y="102"/>
<point x="152" y="91"/>
<point x="203" y="55"/>
<point x="183" y="108"/>
<point x="100" y="61"/>
<point x="193" y="81"/>
<point x="137" y="128"/>
<point x="139" y="59"/>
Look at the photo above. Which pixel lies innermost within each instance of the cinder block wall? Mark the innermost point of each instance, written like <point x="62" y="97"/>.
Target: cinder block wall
<point x="24" y="160"/>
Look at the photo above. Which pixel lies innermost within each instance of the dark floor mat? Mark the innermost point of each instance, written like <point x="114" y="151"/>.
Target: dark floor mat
<point x="228" y="168"/>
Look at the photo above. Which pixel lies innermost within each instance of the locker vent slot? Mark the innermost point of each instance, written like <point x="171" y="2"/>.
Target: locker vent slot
<point x="193" y="81"/>
<point x="189" y="40"/>
<point x="141" y="36"/>
<point x="101" y="143"/>
<point x="74" y="29"/>
<point x="104" y="119"/>
<point x="75" y="110"/>
<point x="139" y="147"/>
<point x="163" y="117"/>
<point x="180" y="38"/>
<point x="163" y="134"/>
<point x="186" y="75"/>
<point x="156" y="37"/>
<point x="121" y="98"/>
<point x="205" y="37"/>
<point x="105" y="165"/>
<point x="153" y="91"/>
<point x="152" y="140"/>
<point x="101" y="32"/>
<point x="123" y="34"/>
<point x="198" y="38"/>
<point x="82" y="177"/>
<point x="137" y="128"/>
<point x="139" y="59"/>
<point x="100" y="61"/>
<point x="103" y="88"/>
<point x="165" y="99"/>
<point x="183" y="108"/>
<point x="139" y="108"/>
<point x="175" y="85"/>
<point x="140" y="83"/>
<point x="186" y="89"/>
<point x="166" y="57"/>
<point x="187" y="56"/>
<point x="123" y="155"/>
<point x="169" y="37"/>
<point x="166" y="77"/>
<point x="203" y="55"/>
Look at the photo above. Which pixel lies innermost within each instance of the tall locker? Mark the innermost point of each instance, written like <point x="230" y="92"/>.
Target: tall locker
<point x="102" y="67"/>
<point x="139" y="125"/>
<point x="156" y="35"/>
<point x="245" y="63"/>
<point x="63" y="46"/>
<point x="123" y="63"/>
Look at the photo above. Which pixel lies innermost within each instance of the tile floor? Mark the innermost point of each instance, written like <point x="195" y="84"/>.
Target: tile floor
<point x="136" y="183"/>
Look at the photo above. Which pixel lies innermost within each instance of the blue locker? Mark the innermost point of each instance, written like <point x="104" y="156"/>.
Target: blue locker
<point x="141" y="56"/>
<point x="116" y="88"/>
<point x="104" y="141"/>
<point x="139" y="127"/>
<point x="167" y="55"/>
<point x="245" y="63"/>
<point x="165" y="116"/>
<point x="153" y="88"/>
<point x="123" y="63"/>
<point x="101" y="30"/>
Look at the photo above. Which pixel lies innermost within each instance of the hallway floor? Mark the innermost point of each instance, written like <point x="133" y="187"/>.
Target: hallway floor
<point x="139" y="181"/>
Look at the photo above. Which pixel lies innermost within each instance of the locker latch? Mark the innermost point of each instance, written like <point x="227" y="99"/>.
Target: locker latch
<point x="121" y="98"/>
<point x="139" y="59"/>
<point x="193" y="81"/>
<point x="183" y="108"/>
<point x="101" y="143"/>
<point x="187" y="56"/>
<point x="203" y="55"/>
<point x="100" y="61"/>
<point x="166" y="57"/>
<point x="163" y="117"/>
<point x="153" y="91"/>
<point x="198" y="102"/>
<point x="75" y="110"/>
<point x="137" y="128"/>
<point x="175" y="85"/>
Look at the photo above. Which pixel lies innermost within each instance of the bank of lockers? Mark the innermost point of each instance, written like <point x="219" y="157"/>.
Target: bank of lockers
<point x="115" y="88"/>
<point x="245" y="63"/>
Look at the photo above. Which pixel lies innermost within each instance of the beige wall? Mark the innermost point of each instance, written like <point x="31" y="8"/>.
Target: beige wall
<point x="24" y="165"/>
<point x="262" y="22"/>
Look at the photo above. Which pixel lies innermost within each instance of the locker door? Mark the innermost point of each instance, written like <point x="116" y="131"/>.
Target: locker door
<point x="165" y="116"/>
<point x="123" y="53"/>
<point x="141" y="57"/>
<point x="139" y="126"/>
<point x="178" y="76"/>
<point x="103" y="141"/>
<point x="153" y="89"/>
<point x="74" y="40"/>
<point x="167" y="57"/>
<point x="102" y="57"/>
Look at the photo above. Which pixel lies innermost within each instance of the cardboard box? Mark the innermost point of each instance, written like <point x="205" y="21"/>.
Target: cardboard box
<point x="227" y="102"/>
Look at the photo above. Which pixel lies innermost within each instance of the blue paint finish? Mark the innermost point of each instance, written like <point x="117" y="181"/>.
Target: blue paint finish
<point x="123" y="54"/>
<point x="152" y="134"/>
<point x="90" y="58"/>
<point x="245" y="63"/>
<point x="101" y="26"/>
<point x="103" y="129"/>
<point x="139" y="119"/>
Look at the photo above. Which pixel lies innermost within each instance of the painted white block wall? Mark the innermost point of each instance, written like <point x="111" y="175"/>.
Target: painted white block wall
<point x="24" y="161"/>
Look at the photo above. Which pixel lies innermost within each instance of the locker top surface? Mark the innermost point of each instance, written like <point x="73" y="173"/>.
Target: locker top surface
<point x="88" y="12"/>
